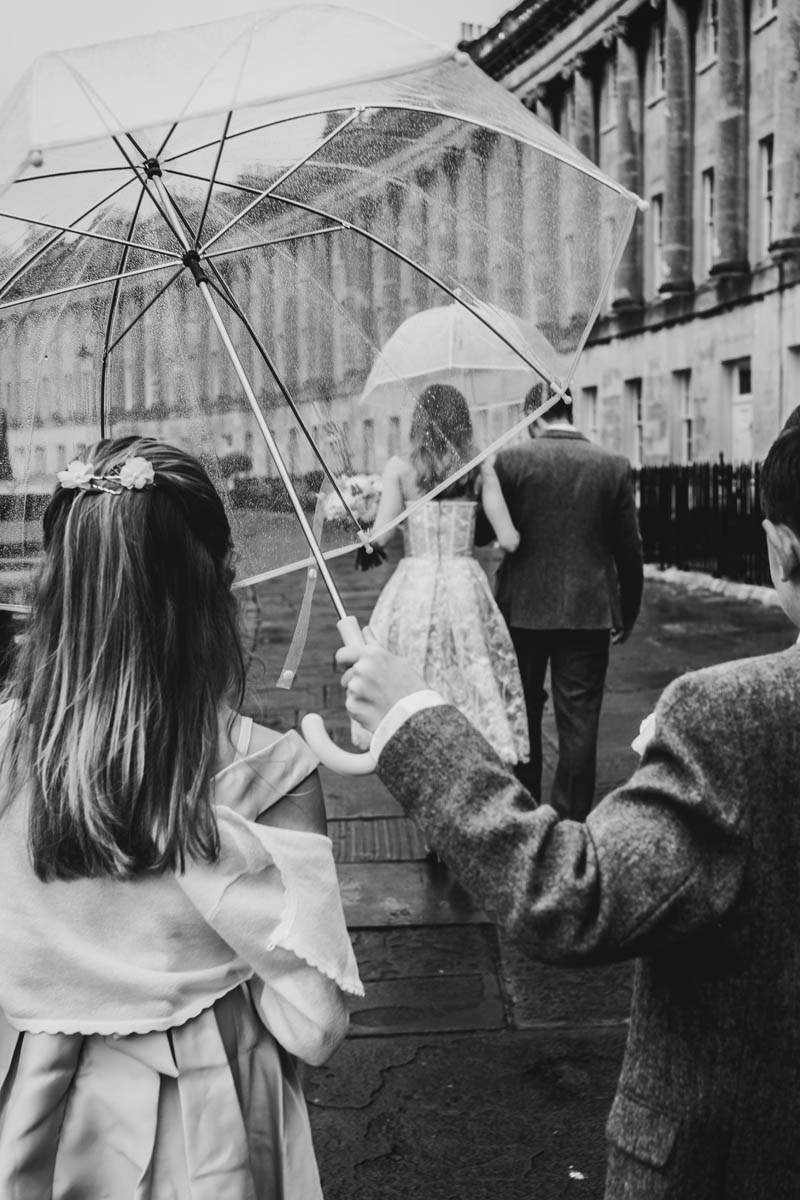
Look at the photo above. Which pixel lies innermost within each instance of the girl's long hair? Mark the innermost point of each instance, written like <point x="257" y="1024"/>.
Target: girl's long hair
<point x="131" y="645"/>
<point x="441" y="436"/>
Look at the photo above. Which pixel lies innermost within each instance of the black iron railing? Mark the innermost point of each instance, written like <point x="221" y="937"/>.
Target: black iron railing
<point x="704" y="517"/>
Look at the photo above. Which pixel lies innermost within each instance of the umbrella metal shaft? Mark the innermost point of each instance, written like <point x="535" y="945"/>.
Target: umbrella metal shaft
<point x="266" y="432"/>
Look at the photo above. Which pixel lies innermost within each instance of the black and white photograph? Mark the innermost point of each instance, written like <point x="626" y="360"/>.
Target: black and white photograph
<point x="400" y="600"/>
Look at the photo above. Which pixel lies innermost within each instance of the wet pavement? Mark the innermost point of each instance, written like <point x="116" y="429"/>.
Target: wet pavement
<point x="470" y="1071"/>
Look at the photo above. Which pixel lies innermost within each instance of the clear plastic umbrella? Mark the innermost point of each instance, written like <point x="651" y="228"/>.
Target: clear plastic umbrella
<point x="451" y="344"/>
<point x="210" y="249"/>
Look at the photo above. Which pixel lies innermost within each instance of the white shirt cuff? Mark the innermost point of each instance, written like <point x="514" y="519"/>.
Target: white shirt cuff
<point x="398" y="714"/>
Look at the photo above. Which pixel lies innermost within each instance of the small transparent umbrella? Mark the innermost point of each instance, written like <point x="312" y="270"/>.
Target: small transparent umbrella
<point x="206" y="235"/>
<point x="451" y="344"/>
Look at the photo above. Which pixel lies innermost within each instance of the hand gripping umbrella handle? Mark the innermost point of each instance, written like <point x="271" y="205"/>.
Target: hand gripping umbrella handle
<point x="343" y="762"/>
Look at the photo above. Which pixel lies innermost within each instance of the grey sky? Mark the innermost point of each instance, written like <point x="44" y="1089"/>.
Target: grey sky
<point x="40" y="25"/>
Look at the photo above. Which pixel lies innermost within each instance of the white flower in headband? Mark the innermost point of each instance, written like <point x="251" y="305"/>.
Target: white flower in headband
<point x="77" y="475"/>
<point x="131" y="475"/>
<point x="136" y="473"/>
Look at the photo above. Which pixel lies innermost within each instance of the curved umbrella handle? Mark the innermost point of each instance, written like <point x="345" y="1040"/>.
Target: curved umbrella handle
<point x="343" y="762"/>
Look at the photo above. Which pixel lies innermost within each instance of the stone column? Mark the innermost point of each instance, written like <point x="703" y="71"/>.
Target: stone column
<point x="342" y="333"/>
<point x="504" y="229"/>
<point x="584" y="133"/>
<point x="628" y="280"/>
<point x="542" y="234"/>
<point x="786" y="227"/>
<point x="471" y="252"/>
<point x="421" y="288"/>
<point x="678" y="174"/>
<point x="730" y="200"/>
<point x="580" y="225"/>
<point x="357" y="261"/>
<point x="392" y="309"/>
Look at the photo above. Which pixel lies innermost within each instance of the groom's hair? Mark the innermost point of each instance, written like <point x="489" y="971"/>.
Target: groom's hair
<point x="780" y="480"/>
<point x="539" y="393"/>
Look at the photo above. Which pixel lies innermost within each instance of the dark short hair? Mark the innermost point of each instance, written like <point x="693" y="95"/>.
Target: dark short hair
<point x="780" y="479"/>
<point x="560" y="411"/>
<point x="793" y="420"/>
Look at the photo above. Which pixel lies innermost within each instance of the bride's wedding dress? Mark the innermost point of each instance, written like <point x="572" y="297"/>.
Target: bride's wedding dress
<point x="437" y="611"/>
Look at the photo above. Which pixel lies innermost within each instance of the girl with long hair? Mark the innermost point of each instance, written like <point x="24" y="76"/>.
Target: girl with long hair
<point x="173" y="938"/>
<point x="437" y="609"/>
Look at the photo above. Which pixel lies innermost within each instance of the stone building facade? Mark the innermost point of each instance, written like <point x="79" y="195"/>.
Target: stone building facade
<point x="694" y="105"/>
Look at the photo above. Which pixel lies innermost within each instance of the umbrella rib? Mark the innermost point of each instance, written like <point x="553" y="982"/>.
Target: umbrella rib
<point x="236" y="308"/>
<point x="317" y="112"/>
<point x="64" y="174"/>
<point x="20" y="270"/>
<point x="99" y="237"/>
<point x="290" y="237"/>
<point x="145" y="182"/>
<point x="78" y="287"/>
<point x="163" y="145"/>
<point x="282" y="179"/>
<point x="535" y="364"/>
<point x="142" y="311"/>
<point x="212" y="180"/>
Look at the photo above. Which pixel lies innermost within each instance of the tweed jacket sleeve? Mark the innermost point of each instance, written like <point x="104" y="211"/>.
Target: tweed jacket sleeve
<point x="662" y="856"/>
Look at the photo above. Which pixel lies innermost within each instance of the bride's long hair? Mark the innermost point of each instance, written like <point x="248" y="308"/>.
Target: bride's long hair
<point x="441" y="436"/>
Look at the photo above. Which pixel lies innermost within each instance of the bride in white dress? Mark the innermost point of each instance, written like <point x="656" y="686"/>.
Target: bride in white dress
<point x="437" y="609"/>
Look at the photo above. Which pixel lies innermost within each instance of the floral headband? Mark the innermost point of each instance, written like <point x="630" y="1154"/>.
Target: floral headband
<point x="134" y="473"/>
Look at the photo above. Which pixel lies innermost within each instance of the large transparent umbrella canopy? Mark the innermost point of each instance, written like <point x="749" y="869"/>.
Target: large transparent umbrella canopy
<point x="208" y="235"/>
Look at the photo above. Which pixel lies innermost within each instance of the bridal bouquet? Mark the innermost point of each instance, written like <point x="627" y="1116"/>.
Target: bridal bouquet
<point x="362" y="493"/>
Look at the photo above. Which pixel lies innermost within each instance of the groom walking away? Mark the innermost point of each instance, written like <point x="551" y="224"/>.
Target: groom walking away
<point x="691" y="868"/>
<point x="575" y="579"/>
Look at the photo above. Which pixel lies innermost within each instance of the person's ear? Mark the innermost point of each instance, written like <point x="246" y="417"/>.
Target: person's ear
<point x="786" y="548"/>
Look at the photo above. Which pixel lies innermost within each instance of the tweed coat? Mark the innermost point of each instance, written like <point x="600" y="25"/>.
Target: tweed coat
<point x="693" y="868"/>
<point x="579" y="562"/>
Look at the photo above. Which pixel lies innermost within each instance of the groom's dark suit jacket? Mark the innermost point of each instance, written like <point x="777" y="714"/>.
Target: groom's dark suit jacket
<point x="579" y="562"/>
<point x="692" y="868"/>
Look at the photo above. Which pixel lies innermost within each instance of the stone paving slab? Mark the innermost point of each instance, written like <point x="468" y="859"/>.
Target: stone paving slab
<point x="505" y="1116"/>
<point x="443" y="1004"/>
<point x="407" y="893"/>
<point x="376" y="839"/>
<point x="359" y="796"/>
<point x="399" y="953"/>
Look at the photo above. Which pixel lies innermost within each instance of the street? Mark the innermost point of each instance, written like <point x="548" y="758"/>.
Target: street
<point x="470" y="1071"/>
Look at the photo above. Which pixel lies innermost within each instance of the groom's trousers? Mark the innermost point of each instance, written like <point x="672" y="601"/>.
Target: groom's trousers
<point x="578" y="660"/>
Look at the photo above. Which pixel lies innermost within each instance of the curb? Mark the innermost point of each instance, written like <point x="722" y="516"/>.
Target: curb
<point x="697" y="581"/>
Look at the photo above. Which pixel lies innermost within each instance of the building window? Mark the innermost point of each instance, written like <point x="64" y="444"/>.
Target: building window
<point x="763" y="10"/>
<point x="741" y="412"/>
<point x="608" y="103"/>
<point x="708" y="220"/>
<point x="635" y="420"/>
<point x="589" y="415"/>
<point x="393" y="439"/>
<point x="709" y="32"/>
<point x="658" y="59"/>
<point x="368" y="434"/>
<point x="765" y="150"/>
<point x="657" y="210"/>
<point x="683" y="384"/>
